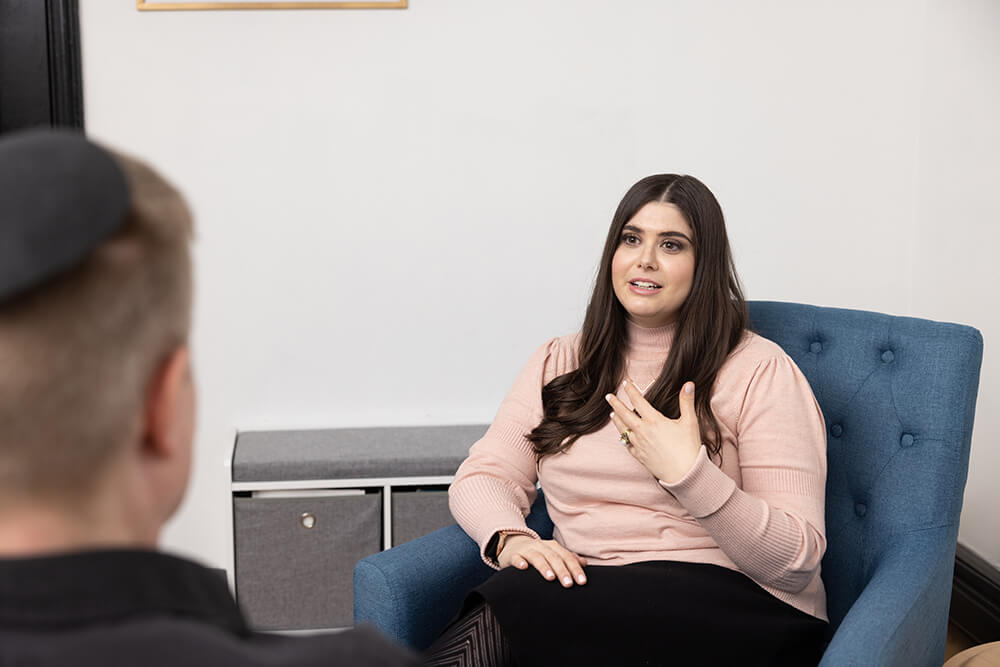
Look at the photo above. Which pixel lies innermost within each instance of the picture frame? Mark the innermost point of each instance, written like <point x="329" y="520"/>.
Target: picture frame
<point x="151" y="5"/>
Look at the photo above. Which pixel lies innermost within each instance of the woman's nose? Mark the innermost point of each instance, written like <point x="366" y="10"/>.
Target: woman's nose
<point x="647" y="258"/>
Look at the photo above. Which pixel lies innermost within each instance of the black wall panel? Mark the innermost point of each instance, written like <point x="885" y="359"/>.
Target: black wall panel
<point x="40" y="72"/>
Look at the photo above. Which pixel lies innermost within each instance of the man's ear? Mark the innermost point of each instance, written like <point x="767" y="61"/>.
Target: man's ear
<point x="168" y="406"/>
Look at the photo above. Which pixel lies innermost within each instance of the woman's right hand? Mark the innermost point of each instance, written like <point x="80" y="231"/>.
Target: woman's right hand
<point x="550" y="558"/>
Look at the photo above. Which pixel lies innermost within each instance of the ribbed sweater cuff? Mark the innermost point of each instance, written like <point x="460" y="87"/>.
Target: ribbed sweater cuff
<point x="483" y="505"/>
<point x="704" y="489"/>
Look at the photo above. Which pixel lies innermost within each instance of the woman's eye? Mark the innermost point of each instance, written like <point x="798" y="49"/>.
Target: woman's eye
<point x="672" y="246"/>
<point x="630" y="239"/>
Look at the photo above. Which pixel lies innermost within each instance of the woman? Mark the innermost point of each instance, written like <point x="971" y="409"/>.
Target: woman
<point x="683" y="460"/>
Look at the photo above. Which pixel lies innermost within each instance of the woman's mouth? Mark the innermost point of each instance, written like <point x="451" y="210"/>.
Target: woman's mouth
<point x="644" y="286"/>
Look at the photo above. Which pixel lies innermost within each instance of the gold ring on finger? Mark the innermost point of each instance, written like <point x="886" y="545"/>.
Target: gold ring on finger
<point x="625" y="437"/>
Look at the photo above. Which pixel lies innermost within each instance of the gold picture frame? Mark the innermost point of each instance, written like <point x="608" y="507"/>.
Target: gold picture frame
<point x="145" y="6"/>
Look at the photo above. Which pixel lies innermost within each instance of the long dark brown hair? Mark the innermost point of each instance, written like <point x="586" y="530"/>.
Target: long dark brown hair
<point x="709" y="325"/>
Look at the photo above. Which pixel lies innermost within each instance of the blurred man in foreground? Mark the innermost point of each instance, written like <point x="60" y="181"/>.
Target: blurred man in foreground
<point x="96" y="422"/>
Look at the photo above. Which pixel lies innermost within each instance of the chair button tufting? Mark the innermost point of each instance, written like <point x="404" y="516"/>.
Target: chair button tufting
<point x="860" y="509"/>
<point x="816" y="347"/>
<point x="836" y="430"/>
<point x="906" y="440"/>
<point x="888" y="356"/>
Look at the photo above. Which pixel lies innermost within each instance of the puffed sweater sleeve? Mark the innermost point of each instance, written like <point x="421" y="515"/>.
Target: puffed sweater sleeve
<point x="496" y="485"/>
<point x="773" y="527"/>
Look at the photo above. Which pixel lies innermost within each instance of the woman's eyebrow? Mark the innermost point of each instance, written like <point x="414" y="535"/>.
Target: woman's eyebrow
<point x="639" y="230"/>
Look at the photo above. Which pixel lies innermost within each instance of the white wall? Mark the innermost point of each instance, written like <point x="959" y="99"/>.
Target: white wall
<point x="395" y="207"/>
<point x="954" y="271"/>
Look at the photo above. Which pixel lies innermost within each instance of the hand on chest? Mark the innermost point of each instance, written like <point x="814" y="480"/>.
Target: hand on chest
<point x="597" y="470"/>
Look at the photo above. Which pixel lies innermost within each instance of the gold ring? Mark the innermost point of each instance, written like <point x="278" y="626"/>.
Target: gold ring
<point x="625" y="437"/>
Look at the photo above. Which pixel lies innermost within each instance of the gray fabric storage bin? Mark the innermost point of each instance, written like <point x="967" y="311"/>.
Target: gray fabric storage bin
<point x="292" y="577"/>
<point x="416" y="512"/>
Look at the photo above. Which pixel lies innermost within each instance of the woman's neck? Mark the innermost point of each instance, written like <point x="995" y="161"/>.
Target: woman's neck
<point x="649" y="344"/>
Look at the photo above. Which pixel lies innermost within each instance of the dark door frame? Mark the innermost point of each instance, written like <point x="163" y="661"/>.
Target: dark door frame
<point x="41" y="82"/>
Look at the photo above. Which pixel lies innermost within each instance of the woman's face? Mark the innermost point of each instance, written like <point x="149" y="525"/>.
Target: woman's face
<point x="653" y="266"/>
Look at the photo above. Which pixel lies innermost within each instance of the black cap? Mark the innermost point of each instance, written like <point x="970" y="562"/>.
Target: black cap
<point x="60" y="197"/>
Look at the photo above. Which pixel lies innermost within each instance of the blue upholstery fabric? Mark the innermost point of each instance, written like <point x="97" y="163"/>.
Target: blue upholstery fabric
<point x="412" y="591"/>
<point x="899" y="396"/>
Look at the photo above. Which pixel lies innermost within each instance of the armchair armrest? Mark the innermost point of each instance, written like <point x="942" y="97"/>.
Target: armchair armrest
<point x="901" y="617"/>
<point x="412" y="591"/>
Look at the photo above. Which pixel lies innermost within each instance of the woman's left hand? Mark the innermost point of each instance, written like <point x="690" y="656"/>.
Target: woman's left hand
<point x="666" y="447"/>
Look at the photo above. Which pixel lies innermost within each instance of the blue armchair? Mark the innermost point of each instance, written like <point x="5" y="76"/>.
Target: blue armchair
<point x="899" y="396"/>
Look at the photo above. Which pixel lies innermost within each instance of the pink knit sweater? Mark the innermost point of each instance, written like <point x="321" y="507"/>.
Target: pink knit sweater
<point x="760" y="512"/>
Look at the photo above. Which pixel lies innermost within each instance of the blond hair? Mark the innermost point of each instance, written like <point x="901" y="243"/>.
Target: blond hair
<point x="78" y="353"/>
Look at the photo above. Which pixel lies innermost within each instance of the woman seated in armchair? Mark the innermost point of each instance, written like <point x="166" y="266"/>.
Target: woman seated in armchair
<point x="683" y="460"/>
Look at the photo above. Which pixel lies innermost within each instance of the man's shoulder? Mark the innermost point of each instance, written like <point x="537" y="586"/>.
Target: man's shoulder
<point x="362" y="647"/>
<point x="157" y="641"/>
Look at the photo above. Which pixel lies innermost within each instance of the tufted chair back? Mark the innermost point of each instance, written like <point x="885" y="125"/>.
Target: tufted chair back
<point x="898" y="395"/>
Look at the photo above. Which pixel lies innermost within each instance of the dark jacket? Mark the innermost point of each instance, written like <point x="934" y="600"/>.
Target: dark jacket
<point x="145" y="609"/>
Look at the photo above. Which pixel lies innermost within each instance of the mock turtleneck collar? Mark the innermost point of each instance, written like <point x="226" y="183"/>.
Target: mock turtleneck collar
<point x="645" y="344"/>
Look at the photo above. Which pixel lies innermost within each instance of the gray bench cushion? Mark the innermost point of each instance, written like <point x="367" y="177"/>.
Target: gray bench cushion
<point x="349" y="453"/>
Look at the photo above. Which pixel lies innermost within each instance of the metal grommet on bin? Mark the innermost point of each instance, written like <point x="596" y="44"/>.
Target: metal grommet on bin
<point x="308" y="520"/>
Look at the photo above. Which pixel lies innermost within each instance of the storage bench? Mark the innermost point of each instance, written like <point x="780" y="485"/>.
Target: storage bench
<point x="307" y="505"/>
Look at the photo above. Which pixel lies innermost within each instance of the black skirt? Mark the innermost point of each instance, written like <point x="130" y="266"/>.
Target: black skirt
<point x="651" y="613"/>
